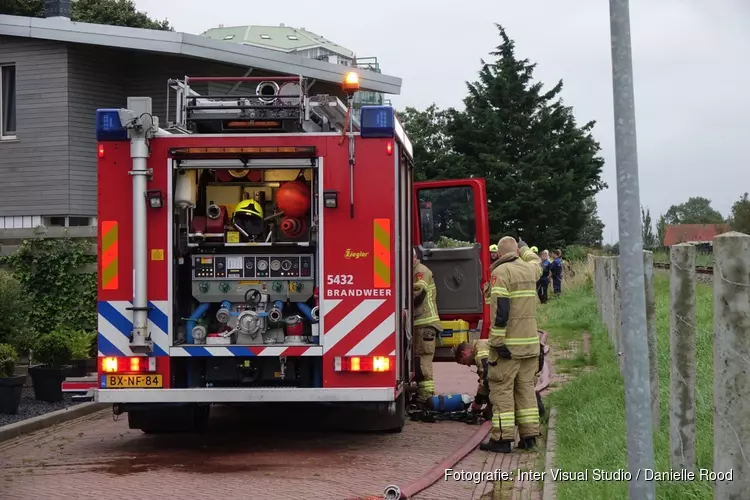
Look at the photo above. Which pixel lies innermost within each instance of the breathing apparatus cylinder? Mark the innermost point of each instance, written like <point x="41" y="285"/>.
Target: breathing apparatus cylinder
<point x="449" y="402"/>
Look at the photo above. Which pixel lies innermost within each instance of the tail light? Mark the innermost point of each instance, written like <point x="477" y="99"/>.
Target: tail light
<point x="362" y="364"/>
<point x="131" y="364"/>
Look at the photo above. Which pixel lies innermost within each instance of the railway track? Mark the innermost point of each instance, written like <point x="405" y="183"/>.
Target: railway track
<point x="698" y="269"/>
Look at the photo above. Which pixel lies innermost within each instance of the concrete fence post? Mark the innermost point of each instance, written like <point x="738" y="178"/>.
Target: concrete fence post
<point x="611" y="299"/>
<point x="653" y="351"/>
<point x="598" y="284"/>
<point x="617" y="319"/>
<point x="731" y="359"/>
<point x="682" y="378"/>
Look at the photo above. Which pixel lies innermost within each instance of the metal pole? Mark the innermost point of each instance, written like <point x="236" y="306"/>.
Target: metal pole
<point x="139" y="153"/>
<point x="632" y="291"/>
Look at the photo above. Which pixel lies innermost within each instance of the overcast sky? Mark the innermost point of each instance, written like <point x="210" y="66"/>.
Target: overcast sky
<point x="690" y="63"/>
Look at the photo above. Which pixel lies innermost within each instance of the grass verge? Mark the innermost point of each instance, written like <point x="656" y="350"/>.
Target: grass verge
<point x="591" y="432"/>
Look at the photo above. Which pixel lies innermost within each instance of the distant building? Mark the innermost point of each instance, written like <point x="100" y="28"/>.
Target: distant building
<point x="55" y="73"/>
<point x="301" y="42"/>
<point x="695" y="234"/>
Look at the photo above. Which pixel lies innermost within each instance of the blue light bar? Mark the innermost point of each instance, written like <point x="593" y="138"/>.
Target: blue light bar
<point x="377" y="121"/>
<point x="108" y="127"/>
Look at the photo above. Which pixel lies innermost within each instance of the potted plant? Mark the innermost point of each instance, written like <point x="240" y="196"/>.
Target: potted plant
<point x="83" y="355"/>
<point x="11" y="384"/>
<point x="53" y="353"/>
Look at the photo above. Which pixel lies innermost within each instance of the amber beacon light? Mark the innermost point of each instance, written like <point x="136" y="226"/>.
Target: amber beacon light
<point x="351" y="82"/>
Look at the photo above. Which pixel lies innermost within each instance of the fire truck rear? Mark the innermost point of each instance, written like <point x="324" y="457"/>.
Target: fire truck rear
<point x="257" y="249"/>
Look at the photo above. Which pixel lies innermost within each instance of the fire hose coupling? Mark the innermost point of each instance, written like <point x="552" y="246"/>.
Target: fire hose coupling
<point x="276" y="313"/>
<point x="310" y="314"/>
<point x="223" y="314"/>
<point x="392" y="492"/>
<point x="213" y="211"/>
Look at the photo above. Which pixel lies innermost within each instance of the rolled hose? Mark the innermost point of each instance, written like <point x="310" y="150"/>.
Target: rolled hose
<point x="394" y="492"/>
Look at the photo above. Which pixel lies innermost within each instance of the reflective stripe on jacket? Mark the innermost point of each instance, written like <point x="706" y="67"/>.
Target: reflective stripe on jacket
<point x="427" y="313"/>
<point x="513" y="300"/>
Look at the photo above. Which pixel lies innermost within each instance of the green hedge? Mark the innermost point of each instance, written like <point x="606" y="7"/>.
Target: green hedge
<point x="47" y="289"/>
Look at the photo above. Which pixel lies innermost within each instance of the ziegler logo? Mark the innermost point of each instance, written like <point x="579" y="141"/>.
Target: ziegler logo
<point x="349" y="254"/>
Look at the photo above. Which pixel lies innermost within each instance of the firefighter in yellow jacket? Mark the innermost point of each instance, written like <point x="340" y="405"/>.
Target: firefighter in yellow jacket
<point x="426" y="327"/>
<point x="513" y="361"/>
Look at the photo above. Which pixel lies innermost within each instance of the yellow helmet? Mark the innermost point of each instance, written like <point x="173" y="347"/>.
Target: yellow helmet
<point x="535" y="249"/>
<point x="493" y="248"/>
<point x="248" y="218"/>
<point x="249" y="207"/>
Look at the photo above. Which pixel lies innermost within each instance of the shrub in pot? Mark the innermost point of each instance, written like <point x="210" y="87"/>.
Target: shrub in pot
<point x="14" y="307"/>
<point x="11" y="384"/>
<point x="53" y="353"/>
<point x="80" y="342"/>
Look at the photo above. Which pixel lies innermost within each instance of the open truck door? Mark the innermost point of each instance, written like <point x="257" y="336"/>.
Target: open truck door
<point x="451" y="231"/>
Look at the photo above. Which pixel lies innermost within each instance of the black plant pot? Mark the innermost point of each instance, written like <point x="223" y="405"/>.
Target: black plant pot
<point x="48" y="383"/>
<point x="10" y="394"/>
<point x="76" y="369"/>
<point x="81" y="367"/>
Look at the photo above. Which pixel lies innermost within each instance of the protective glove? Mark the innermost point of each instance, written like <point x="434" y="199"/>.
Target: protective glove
<point x="480" y="399"/>
<point x="521" y="243"/>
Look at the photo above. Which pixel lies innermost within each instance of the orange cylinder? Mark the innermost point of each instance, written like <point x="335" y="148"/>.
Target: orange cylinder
<point x="293" y="198"/>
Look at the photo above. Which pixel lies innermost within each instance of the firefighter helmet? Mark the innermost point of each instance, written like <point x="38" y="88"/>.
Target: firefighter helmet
<point x="493" y="248"/>
<point x="248" y="216"/>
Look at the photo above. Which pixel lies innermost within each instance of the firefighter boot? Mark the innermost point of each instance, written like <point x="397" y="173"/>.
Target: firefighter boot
<point x="496" y="446"/>
<point x="527" y="443"/>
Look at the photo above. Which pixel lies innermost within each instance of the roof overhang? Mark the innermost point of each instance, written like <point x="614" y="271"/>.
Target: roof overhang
<point x="194" y="46"/>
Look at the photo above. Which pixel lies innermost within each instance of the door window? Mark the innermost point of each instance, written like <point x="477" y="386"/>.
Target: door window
<point x="446" y="217"/>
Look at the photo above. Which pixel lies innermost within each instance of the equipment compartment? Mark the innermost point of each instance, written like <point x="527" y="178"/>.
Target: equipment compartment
<point x="247" y="256"/>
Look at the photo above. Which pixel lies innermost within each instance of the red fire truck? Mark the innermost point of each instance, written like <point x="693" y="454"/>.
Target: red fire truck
<point x="258" y="249"/>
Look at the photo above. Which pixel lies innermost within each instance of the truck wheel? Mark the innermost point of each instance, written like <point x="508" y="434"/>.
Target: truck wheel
<point x="201" y="414"/>
<point x="399" y="418"/>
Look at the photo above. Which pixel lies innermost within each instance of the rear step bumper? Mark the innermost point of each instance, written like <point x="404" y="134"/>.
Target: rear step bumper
<point x="245" y="395"/>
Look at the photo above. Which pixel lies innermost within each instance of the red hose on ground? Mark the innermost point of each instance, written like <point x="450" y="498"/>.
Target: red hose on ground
<point x="438" y="471"/>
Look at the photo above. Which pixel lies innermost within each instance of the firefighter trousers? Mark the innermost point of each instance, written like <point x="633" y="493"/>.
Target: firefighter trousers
<point x="513" y="398"/>
<point x="425" y="351"/>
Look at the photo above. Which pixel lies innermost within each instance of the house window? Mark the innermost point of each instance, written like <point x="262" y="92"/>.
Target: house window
<point x="228" y="37"/>
<point x="265" y="37"/>
<point x="292" y="37"/>
<point x="7" y="101"/>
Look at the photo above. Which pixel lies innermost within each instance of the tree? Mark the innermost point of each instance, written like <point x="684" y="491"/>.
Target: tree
<point x="111" y="12"/>
<point x="592" y="233"/>
<point x="539" y="165"/>
<point x="740" y="216"/>
<point x="696" y="210"/>
<point x="647" y="226"/>
<point x="433" y="156"/>
<point x="661" y="230"/>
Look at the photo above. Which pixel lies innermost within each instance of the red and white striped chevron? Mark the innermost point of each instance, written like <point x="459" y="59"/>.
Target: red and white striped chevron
<point x="359" y="327"/>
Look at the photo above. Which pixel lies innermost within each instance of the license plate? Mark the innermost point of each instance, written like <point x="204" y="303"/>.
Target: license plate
<point x="133" y="381"/>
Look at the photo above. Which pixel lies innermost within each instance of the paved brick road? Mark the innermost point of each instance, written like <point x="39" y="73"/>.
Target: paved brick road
<point x="246" y="455"/>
